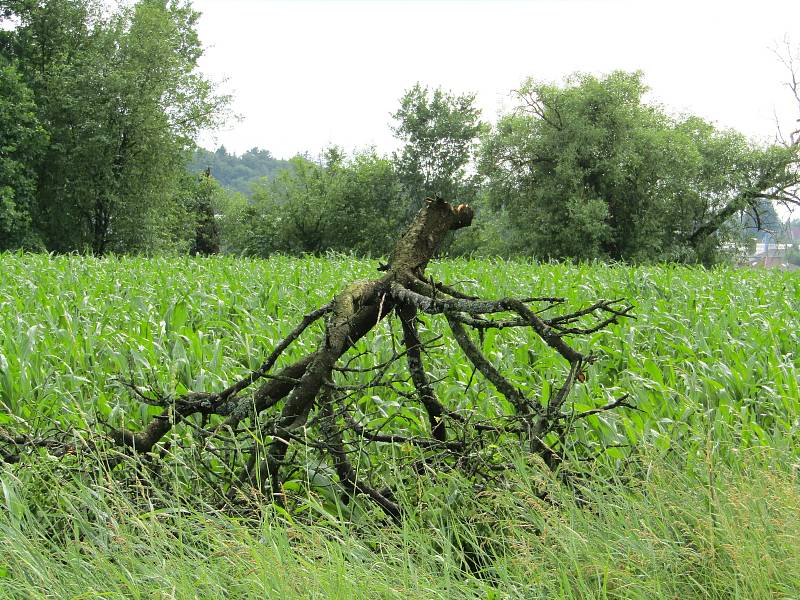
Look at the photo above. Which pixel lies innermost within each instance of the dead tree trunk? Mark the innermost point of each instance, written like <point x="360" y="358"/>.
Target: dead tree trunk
<point x="314" y="409"/>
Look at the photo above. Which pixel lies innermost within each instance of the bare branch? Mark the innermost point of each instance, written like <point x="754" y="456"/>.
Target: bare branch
<point x="434" y="408"/>
<point x="620" y="402"/>
<point x="505" y="387"/>
<point x="344" y="469"/>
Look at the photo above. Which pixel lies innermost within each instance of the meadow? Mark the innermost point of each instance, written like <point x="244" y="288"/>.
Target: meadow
<point x="697" y="495"/>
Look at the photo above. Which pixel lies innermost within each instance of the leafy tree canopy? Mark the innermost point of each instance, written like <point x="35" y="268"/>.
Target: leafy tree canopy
<point x="120" y="96"/>
<point x="339" y="203"/>
<point x="589" y="170"/>
<point x="440" y="134"/>
<point x="22" y="141"/>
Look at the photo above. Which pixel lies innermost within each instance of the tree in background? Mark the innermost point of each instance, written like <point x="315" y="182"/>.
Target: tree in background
<point x="122" y="101"/>
<point x="588" y="170"/>
<point x="200" y="196"/>
<point x="22" y="142"/>
<point x="776" y="180"/>
<point x="576" y="167"/>
<point x="290" y="211"/>
<point x="340" y="203"/>
<point x="440" y="134"/>
<point x="738" y="176"/>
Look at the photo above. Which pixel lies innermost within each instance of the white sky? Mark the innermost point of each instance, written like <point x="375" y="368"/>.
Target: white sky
<point x="306" y="74"/>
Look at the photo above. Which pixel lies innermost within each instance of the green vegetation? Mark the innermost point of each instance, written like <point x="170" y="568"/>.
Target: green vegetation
<point x="689" y="489"/>
<point x="702" y="501"/>
<point x="314" y="208"/>
<point x="589" y="170"/>
<point x="120" y="98"/>
<point x="439" y="132"/>
<point x="705" y="346"/>
<point x="201" y="198"/>
<point x="237" y="173"/>
<point x="583" y="170"/>
<point x="23" y="142"/>
<point x="671" y="536"/>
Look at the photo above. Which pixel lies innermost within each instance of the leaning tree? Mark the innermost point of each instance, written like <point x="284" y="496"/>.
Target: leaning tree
<point x="313" y="402"/>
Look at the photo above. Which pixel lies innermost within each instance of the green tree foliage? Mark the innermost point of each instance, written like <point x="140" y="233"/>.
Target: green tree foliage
<point x="589" y="170"/>
<point x="343" y="204"/>
<point x="440" y="133"/>
<point x="122" y="101"/>
<point x="237" y="173"/>
<point x="22" y="141"/>
<point x="740" y="176"/>
<point x="201" y="196"/>
<point x="236" y="219"/>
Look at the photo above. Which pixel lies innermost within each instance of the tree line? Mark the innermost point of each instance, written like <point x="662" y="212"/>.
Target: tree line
<point x="100" y="110"/>
<point x="585" y="169"/>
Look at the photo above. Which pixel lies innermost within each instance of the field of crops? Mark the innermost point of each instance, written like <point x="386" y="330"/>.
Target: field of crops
<point x="711" y="363"/>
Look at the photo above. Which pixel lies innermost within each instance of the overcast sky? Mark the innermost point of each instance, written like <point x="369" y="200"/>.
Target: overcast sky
<point x="305" y="74"/>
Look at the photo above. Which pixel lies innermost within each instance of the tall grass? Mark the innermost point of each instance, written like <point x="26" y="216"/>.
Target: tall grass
<point x="668" y="536"/>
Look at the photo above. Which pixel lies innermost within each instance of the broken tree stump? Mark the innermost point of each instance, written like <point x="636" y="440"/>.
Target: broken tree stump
<point x="270" y="410"/>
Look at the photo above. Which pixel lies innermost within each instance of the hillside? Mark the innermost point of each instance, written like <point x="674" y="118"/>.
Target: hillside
<point x="237" y="172"/>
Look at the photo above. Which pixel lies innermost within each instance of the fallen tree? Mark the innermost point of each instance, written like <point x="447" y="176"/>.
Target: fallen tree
<point x="251" y="426"/>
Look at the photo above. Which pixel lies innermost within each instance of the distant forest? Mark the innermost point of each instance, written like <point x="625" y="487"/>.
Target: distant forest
<point x="237" y="173"/>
